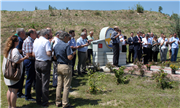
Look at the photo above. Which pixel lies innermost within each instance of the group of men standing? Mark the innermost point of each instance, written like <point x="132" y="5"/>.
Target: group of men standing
<point x="43" y="49"/>
<point x="143" y="47"/>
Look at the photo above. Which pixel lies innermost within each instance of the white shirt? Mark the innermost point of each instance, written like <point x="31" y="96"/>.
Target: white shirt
<point x="15" y="57"/>
<point x="40" y="47"/>
<point x="174" y="44"/>
<point x="159" y="39"/>
<point x="56" y="41"/>
<point x="164" y="45"/>
<point x="123" y="41"/>
<point x="151" y="39"/>
<point x="146" y="41"/>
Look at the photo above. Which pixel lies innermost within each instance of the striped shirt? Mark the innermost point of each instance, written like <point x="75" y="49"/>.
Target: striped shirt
<point x="28" y="46"/>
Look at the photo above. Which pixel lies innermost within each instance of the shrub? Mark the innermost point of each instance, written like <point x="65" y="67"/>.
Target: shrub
<point x="76" y="14"/>
<point x="36" y="8"/>
<point x="139" y="8"/>
<point x="162" y="79"/>
<point x="148" y="65"/>
<point x="131" y="71"/>
<point x="160" y="9"/>
<point x="97" y="13"/>
<point x="174" y="67"/>
<point x="140" y="68"/>
<point x="119" y="74"/>
<point x="93" y="79"/>
<point x="110" y="67"/>
<point x="96" y="67"/>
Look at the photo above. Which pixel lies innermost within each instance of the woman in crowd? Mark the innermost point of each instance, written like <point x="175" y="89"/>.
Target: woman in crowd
<point x="13" y="86"/>
<point x="155" y="48"/>
<point x="170" y="36"/>
<point x="164" y="48"/>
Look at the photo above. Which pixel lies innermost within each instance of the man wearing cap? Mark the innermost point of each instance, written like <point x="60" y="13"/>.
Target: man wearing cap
<point x="115" y="45"/>
<point x="137" y="40"/>
<point x="82" y="50"/>
<point x="64" y="55"/>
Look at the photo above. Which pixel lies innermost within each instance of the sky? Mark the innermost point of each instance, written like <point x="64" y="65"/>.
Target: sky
<point x="169" y="7"/>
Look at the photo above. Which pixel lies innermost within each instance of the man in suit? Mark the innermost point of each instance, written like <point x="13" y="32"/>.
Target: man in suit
<point x="131" y="48"/>
<point x="115" y="45"/>
<point x="137" y="40"/>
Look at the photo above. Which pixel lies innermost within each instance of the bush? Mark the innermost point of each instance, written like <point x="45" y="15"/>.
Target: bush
<point x="140" y="68"/>
<point x="93" y="79"/>
<point x="36" y="8"/>
<point x="110" y="67"/>
<point x="120" y="78"/>
<point x="162" y="79"/>
<point x="139" y="8"/>
<point x="160" y="9"/>
<point x="97" y="13"/>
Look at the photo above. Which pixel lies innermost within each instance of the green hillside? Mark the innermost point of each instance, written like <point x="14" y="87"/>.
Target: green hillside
<point x="127" y="20"/>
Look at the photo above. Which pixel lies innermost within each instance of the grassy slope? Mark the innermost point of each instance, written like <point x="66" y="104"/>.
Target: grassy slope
<point x="139" y="93"/>
<point x="127" y="20"/>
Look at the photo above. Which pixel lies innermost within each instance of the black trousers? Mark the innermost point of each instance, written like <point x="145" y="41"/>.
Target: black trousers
<point x="146" y="57"/>
<point x="43" y="69"/>
<point x="150" y="54"/>
<point x="131" y="53"/>
<point x="73" y="63"/>
<point x="115" y="53"/>
<point x="124" y="49"/>
<point x="90" y="53"/>
<point x="137" y="54"/>
<point x="19" y="93"/>
<point x="155" y="55"/>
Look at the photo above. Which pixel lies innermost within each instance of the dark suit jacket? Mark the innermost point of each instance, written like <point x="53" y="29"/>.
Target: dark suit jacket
<point x="136" y="44"/>
<point x="131" y="45"/>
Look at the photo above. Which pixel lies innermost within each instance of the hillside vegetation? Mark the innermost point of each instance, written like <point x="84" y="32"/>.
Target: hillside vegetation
<point x="127" y="20"/>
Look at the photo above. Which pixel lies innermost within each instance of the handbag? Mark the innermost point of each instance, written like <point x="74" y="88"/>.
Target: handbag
<point x="12" y="70"/>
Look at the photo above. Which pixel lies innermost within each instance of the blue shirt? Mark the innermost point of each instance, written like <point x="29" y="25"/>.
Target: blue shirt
<point x="174" y="44"/>
<point x="72" y="42"/>
<point x="19" y="46"/>
<point x="61" y="51"/>
<point x="114" y="40"/>
<point x="81" y="41"/>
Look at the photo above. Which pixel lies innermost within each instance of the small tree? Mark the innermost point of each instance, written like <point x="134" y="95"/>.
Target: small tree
<point x="139" y="8"/>
<point x="36" y="8"/>
<point x="67" y="8"/>
<point x="160" y="9"/>
<point x="51" y="10"/>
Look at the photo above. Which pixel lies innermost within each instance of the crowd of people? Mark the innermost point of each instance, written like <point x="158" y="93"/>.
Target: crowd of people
<point x="145" y="47"/>
<point x="35" y="51"/>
